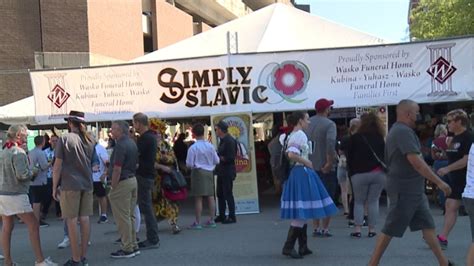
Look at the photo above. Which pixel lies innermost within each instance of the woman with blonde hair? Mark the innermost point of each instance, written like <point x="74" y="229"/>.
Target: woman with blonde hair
<point x="15" y="180"/>
<point x="165" y="160"/>
<point x="456" y="170"/>
<point x="366" y="168"/>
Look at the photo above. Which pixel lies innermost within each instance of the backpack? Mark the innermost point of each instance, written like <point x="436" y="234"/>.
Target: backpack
<point x="284" y="165"/>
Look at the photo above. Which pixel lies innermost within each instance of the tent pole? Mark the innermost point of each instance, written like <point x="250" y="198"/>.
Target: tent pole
<point x="228" y="42"/>
<point x="97" y="130"/>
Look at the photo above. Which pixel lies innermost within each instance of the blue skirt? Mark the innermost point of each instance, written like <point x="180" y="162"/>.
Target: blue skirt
<point x="305" y="197"/>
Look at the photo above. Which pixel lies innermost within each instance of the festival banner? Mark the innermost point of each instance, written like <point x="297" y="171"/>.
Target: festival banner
<point x="245" y="184"/>
<point x="426" y="72"/>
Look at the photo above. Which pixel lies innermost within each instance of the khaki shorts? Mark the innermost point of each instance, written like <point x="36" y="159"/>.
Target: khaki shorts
<point x="76" y="203"/>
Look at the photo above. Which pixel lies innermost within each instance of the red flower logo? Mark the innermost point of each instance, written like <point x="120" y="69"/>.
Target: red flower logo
<point x="289" y="80"/>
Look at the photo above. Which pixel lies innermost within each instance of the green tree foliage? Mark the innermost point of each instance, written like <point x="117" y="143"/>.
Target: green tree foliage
<point x="442" y="18"/>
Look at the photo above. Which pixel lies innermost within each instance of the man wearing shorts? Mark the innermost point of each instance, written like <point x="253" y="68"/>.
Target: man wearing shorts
<point x="405" y="185"/>
<point x="457" y="153"/>
<point x="39" y="191"/>
<point x="73" y="169"/>
<point x="202" y="159"/>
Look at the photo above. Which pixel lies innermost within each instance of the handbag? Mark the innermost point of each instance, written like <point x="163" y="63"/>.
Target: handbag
<point x="177" y="195"/>
<point x="173" y="181"/>
<point x="381" y="163"/>
<point x="174" y="185"/>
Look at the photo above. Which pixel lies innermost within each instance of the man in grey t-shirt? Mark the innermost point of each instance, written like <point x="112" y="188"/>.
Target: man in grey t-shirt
<point x="405" y="185"/>
<point x="123" y="196"/>
<point x="73" y="169"/>
<point x="322" y="133"/>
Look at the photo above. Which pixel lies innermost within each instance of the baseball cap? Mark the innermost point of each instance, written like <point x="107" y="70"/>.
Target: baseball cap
<point x="323" y="104"/>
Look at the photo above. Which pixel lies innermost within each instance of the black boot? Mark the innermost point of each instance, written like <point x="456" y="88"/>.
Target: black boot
<point x="303" y="249"/>
<point x="289" y="247"/>
<point x="219" y="219"/>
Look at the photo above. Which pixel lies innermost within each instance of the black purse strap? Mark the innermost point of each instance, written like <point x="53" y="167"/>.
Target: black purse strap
<point x="382" y="163"/>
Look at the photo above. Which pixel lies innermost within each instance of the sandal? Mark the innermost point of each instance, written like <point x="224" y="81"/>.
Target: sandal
<point x="356" y="235"/>
<point x="372" y="234"/>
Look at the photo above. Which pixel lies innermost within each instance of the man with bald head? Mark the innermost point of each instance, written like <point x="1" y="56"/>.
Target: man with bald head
<point x="406" y="185"/>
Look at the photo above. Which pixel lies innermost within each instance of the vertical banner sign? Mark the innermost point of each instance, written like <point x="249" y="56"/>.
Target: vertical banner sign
<point x="245" y="184"/>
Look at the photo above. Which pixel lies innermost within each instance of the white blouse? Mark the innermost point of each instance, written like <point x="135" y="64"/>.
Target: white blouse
<point x="297" y="143"/>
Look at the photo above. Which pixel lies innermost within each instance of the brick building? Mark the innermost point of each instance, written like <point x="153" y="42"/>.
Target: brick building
<point x="39" y="34"/>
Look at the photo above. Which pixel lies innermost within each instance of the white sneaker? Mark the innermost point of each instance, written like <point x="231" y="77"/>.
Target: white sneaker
<point x="46" y="262"/>
<point x="2" y="257"/>
<point x="65" y="243"/>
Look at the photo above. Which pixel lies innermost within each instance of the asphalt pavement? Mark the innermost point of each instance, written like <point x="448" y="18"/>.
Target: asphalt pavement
<point x="255" y="239"/>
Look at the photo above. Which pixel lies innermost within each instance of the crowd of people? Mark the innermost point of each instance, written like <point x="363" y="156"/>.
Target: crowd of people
<point x="72" y="168"/>
<point x="367" y="161"/>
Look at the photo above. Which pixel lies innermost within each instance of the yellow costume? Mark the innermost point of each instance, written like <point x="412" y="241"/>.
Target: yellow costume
<point x="164" y="208"/>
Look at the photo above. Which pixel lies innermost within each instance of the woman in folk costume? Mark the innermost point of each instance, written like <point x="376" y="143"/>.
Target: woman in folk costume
<point x="304" y="195"/>
<point x="165" y="160"/>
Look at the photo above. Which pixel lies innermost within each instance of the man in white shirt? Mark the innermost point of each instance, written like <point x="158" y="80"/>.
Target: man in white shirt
<point x="202" y="159"/>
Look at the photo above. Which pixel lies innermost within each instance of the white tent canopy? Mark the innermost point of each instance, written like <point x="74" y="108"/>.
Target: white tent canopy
<point x="277" y="27"/>
<point x="21" y="111"/>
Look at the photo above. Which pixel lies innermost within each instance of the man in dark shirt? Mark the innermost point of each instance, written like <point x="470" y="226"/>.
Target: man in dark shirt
<point x="123" y="196"/>
<point x="147" y="148"/>
<point x="226" y="173"/>
<point x="457" y="152"/>
<point x="406" y="185"/>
